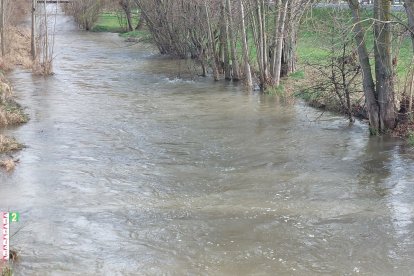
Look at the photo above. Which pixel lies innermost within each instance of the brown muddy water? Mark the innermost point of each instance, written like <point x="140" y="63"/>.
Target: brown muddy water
<point x="131" y="170"/>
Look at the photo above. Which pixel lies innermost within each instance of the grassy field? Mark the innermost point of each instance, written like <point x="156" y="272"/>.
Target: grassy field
<point x="109" y="22"/>
<point x="321" y="31"/>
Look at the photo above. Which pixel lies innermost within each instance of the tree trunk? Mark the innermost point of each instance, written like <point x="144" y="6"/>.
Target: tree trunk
<point x="409" y="9"/>
<point x="289" y="43"/>
<point x="247" y="71"/>
<point x="368" y="81"/>
<point x="273" y="47"/>
<point x="224" y="37"/>
<point x="260" y="46"/>
<point x="234" y="61"/>
<point x="383" y="65"/>
<point x="129" y="20"/>
<point x="140" y="24"/>
<point x="277" y="55"/>
<point x="211" y="44"/>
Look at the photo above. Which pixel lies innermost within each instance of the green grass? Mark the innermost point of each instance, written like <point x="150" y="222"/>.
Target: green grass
<point x="108" y="22"/>
<point x="111" y="22"/>
<point x="6" y="272"/>
<point x="298" y="75"/>
<point x="276" y="91"/>
<point x="315" y="38"/>
<point x="410" y="138"/>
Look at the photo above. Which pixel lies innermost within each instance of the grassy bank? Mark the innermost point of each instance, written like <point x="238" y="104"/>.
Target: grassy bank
<point x="316" y="31"/>
<point x="11" y="113"/>
<point x="323" y="33"/>
<point x="112" y="22"/>
<point x="109" y="22"/>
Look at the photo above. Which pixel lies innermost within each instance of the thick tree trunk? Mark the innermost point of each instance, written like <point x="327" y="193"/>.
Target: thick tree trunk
<point x="129" y="20"/>
<point x="126" y="6"/>
<point x="289" y="54"/>
<point x="140" y="24"/>
<point x="409" y="8"/>
<point x="368" y="81"/>
<point x="289" y="43"/>
<point x="383" y="65"/>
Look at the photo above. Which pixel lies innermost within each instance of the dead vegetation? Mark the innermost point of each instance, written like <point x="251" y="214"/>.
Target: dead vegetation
<point x="18" y="52"/>
<point x="11" y="112"/>
<point x="8" y="144"/>
<point x="8" y="164"/>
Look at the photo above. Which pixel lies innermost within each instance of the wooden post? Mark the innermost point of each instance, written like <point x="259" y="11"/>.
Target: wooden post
<point x="2" y="27"/>
<point x="33" y="35"/>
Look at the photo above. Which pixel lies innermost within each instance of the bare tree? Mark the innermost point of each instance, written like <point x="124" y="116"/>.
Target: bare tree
<point x="85" y="12"/>
<point x="126" y="6"/>
<point x="380" y="95"/>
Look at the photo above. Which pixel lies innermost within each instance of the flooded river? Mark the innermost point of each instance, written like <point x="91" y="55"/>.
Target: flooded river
<point x="131" y="170"/>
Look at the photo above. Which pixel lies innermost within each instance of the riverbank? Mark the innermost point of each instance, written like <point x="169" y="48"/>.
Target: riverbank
<point x="325" y="53"/>
<point x="11" y="112"/>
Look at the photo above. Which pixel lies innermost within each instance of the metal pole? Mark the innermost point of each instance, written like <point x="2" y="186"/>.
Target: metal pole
<point x="2" y="28"/>
<point x="33" y="36"/>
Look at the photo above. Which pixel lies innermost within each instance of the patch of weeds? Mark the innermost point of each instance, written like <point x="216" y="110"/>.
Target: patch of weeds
<point x="137" y="36"/>
<point x="306" y="94"/>
<point x="8" y="144"/>
<point x="410" y="138"/>
<point x="374" y="131"/>
<point x="8" y="164"/>
<point x="11" y="113"/>
<point x="276" y="91"/>
<point x="298" y="75"/>
<point x="6" y="271"/>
